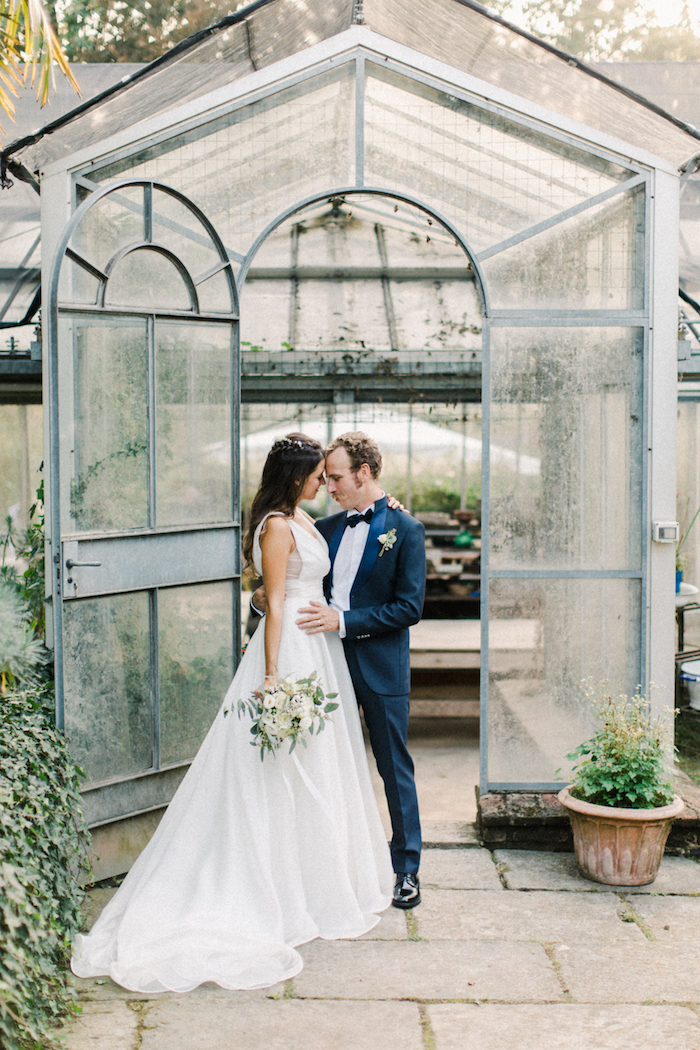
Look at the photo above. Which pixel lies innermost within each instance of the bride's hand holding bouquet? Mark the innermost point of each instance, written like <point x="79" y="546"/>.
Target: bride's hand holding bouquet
<point x="285" y="709"/>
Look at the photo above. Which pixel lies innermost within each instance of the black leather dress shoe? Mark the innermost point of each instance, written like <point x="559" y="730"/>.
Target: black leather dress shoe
<point x="407" y="890"/>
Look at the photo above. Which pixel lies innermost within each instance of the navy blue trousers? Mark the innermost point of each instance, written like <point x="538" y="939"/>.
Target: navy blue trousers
<point x="386" y="718"/>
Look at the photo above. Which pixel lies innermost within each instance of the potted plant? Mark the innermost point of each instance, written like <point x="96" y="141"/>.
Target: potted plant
<point x="621" y="802"/>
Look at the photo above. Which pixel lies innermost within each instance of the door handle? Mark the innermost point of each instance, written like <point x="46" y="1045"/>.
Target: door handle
<point x="70" y="564"/>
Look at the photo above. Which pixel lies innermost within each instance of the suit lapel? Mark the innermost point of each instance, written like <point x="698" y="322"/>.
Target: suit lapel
<point x="371" y="552"/>
<point x="336" y="538"/>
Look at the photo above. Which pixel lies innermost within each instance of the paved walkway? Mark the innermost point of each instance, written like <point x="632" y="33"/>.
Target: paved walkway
<point x="510" y="950"/>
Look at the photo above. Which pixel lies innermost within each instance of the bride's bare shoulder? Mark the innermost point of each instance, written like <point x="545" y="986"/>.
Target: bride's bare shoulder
<point x="276" y="523"/>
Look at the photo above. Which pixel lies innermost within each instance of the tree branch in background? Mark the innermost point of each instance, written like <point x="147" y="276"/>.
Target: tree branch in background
<point x="605" y="30"/>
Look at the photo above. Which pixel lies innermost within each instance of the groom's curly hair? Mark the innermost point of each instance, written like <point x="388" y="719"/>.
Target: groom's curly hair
<point x="361" y="449"/>
<point x="289" y="463"/>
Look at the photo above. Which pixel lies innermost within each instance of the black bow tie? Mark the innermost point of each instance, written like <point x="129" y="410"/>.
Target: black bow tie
<point x="355" y="519"/>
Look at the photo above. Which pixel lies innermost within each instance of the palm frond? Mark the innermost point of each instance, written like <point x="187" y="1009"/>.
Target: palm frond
<point x="27" y="39"/>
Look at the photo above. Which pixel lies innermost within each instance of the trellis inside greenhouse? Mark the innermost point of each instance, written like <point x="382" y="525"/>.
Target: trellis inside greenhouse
<point x="404" y="218"/>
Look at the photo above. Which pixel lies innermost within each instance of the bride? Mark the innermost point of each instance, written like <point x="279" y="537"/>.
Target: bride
<point x="251" y="858"/>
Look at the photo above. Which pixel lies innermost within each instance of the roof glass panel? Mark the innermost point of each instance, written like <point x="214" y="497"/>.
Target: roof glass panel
<point x="267" y="35"/>
<point x="469" y="40"/>
<point x="19" y="265"/>
<point x="690" y="236"/>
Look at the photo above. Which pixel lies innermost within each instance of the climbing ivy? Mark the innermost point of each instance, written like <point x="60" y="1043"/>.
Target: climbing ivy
<point x="42" y="852"/>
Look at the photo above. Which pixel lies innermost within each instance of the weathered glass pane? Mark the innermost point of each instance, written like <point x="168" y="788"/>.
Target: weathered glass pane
<point x="490" y="176"/>
<point x="193" y="423"/>
<point x="195" y="665"/>
<point x="176" y="228"/>
<point x="215" y="294"/>
<point x="594" y="261"/>
<point x="107" y="684"/>
<point x="147" y="278"/>
<point x="566" y="448"/>
<point x="76" y="284"/>
<point x="114" y="222"/>
<point x="545" y="637"/>
<point x="106" y="468"/>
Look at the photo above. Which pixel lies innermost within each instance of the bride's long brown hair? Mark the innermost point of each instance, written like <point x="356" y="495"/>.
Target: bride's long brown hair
<point x="289" y="463"/>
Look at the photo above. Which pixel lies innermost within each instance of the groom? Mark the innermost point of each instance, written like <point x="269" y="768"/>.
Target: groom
<point x="375" y="592"/>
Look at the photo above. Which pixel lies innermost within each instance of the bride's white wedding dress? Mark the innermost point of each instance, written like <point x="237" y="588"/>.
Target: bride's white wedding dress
<point x="254" y="858"/>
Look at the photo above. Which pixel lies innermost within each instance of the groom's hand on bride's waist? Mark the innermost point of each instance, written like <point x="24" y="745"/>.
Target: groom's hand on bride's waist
<point x="317" y="617"/>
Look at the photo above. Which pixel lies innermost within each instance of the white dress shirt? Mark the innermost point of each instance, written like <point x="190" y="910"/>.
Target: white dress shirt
<point x="347" y="562"/>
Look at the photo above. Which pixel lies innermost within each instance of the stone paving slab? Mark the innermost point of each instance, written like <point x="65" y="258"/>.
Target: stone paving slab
<point x="631" y="973"/>
<point x="449" y="834"/>
<point x="391" y="927"/>
<point x="670" y="919"/>
<point x="535" y="916"/>
<point x="459" y="869"/>
<point x="414" y="970"/>
<point x="103" y="989"/>
<point x="532" y="870"/>
<point x="103" y="1026"/>
<point x="533" y="1027"/>
<point x="286" y="1024"/>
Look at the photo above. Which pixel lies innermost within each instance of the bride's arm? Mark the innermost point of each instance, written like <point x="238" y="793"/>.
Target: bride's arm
<point x="276" y="544"/>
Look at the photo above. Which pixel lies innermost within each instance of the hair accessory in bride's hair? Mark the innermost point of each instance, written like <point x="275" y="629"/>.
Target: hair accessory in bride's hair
<point x="288" y="442"/>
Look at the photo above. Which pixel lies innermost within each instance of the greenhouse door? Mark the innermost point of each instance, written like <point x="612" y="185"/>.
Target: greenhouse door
<point x="143" y="490"/>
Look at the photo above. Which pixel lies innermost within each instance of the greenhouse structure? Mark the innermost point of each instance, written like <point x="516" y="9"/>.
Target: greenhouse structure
<point x="412" y="219"/>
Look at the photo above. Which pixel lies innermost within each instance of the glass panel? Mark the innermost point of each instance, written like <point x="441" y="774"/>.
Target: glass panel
<point x="76" y="284"/>
<point x="193" y="423"/>
<point x="566" y="456"/>
<point x="244" y="168"/>
<point x="195" y="664"/>
<point x="594" y="261"/>
<point x="111" y="224"/>
<point x="545" y="637"/>
<point x="215" y="294"/>
<point x="108" y="465"/>
<point x="177" y="228"/>
<point x="490" y="176"/>
<point x="146" y="278"/>
<point x="107" y="684"/>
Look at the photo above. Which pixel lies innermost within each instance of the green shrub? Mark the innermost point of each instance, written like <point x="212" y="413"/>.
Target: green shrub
<point x="42" y="835"/>
<point x="22" y="654"/>
<point x="42" y="850"/>
<point x="434" y="496"/>
<point x="623" y="764"/>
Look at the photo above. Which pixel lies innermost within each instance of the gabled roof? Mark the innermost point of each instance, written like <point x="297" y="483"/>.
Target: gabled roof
<point x="460" y="33"/>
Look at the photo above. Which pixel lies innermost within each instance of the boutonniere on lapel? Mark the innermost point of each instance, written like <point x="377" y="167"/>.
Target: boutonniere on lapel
<point x="387" y="540"/>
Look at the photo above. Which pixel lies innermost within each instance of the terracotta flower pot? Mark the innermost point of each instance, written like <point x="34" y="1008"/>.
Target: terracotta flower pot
<point x="620" y="847"/>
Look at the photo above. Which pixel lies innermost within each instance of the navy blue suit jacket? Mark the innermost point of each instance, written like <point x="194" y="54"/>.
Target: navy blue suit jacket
<point x="386" y="597"/>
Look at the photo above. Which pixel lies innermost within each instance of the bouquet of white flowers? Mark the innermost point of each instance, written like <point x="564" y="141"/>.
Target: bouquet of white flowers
<point x="286" y="711"/>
